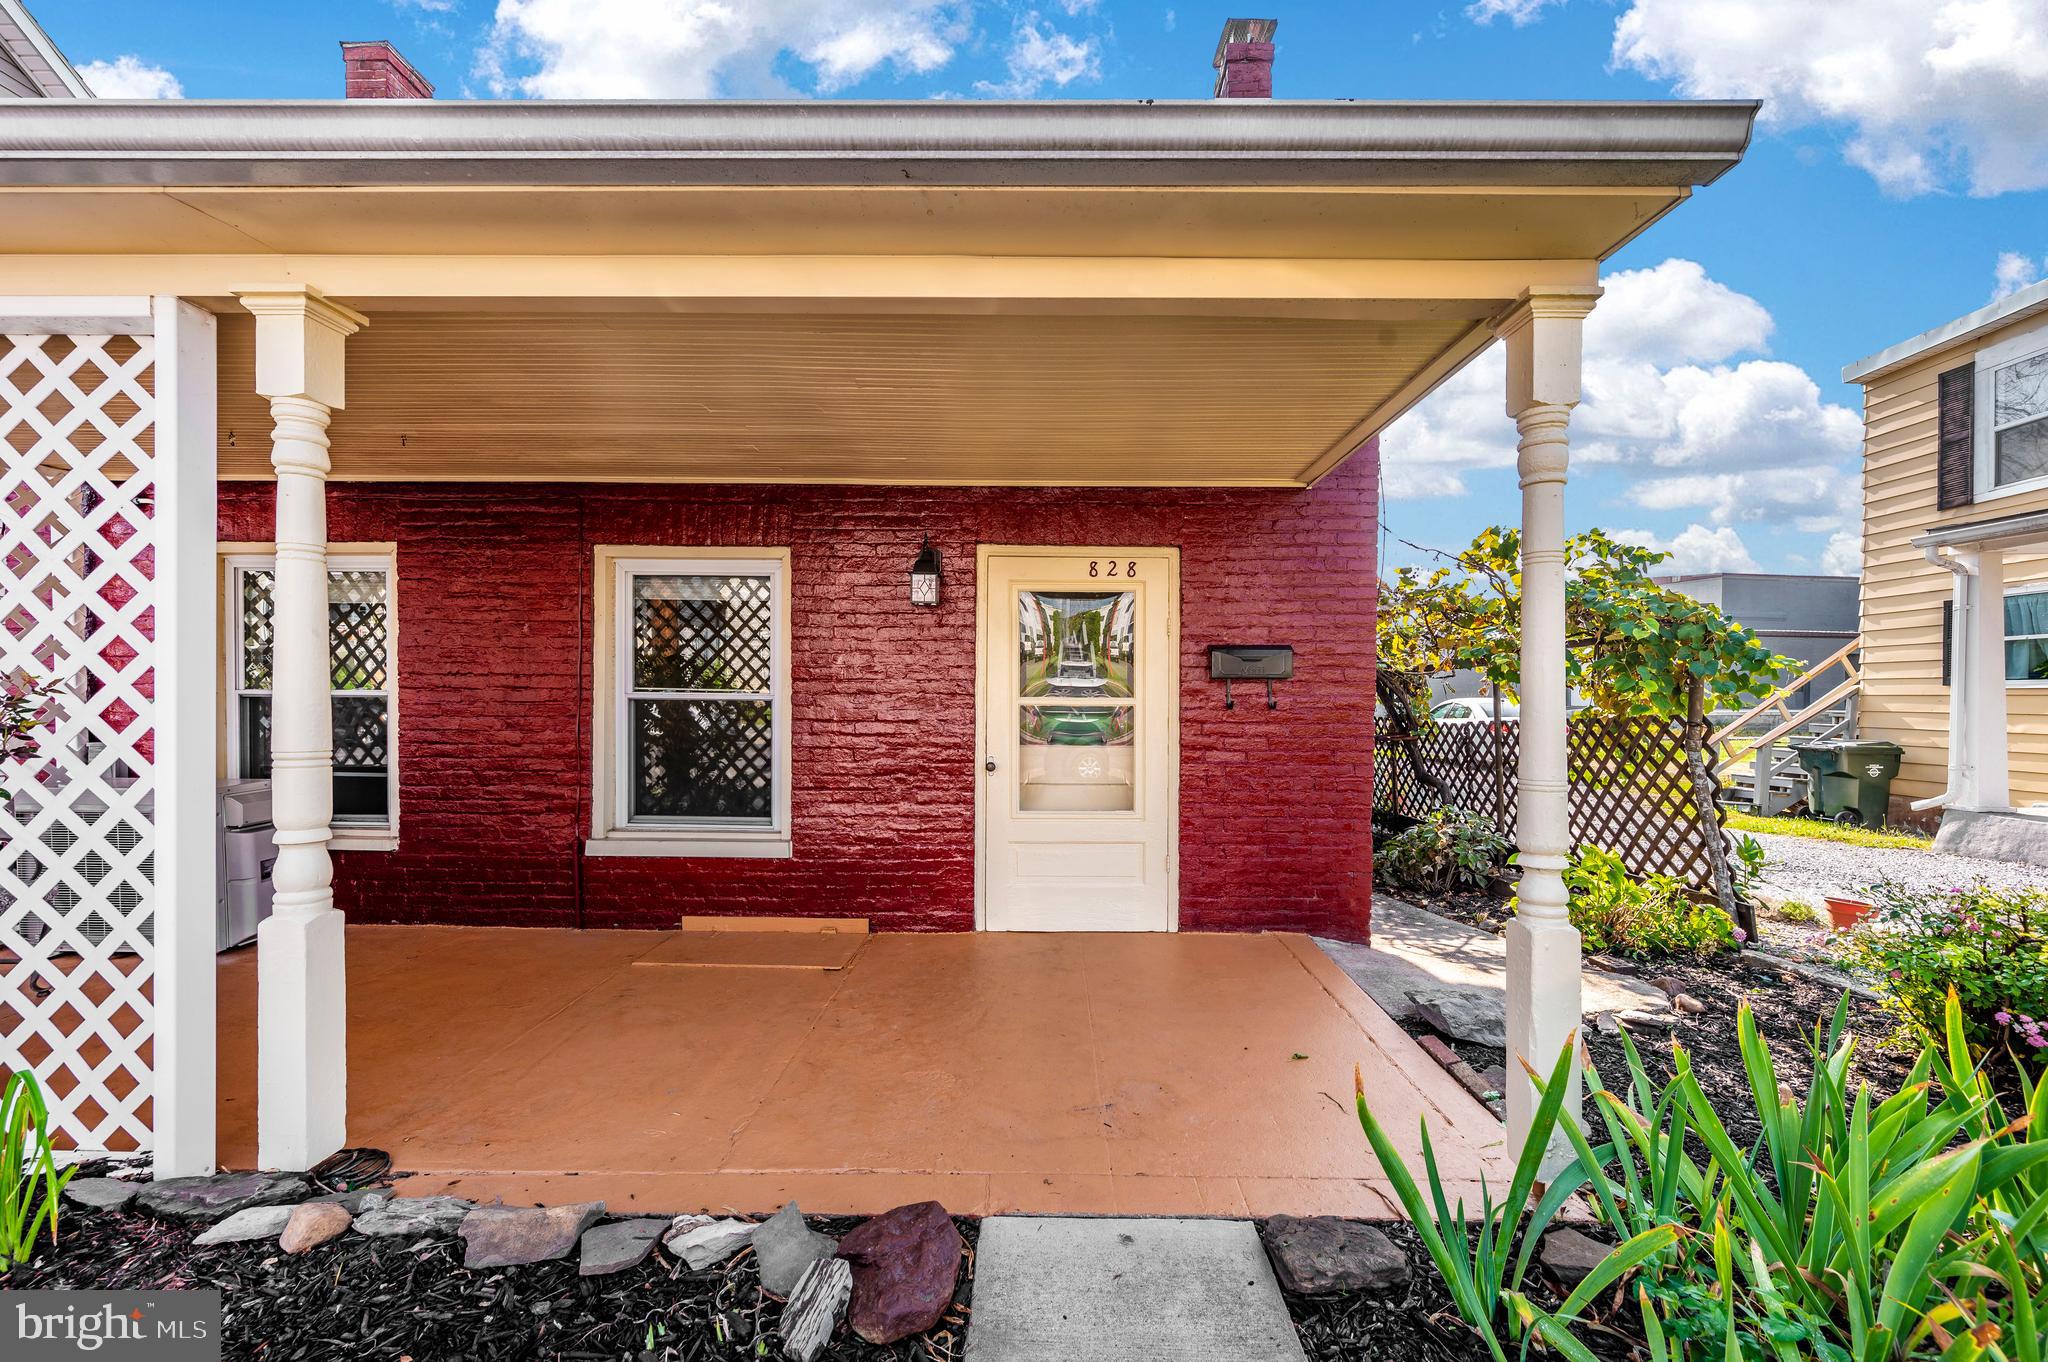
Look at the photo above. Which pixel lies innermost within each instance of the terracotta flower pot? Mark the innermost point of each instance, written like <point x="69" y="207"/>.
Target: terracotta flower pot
<point x="1846" y="913"/>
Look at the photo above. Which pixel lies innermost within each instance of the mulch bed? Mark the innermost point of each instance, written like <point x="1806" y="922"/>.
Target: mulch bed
<point x="373" y="1298"/>
<point x="1425" y="1326"/>
<point x="1786" y="1006"/>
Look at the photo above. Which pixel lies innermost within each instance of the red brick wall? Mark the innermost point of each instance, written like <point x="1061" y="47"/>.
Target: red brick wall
<point x="493" y="676"/>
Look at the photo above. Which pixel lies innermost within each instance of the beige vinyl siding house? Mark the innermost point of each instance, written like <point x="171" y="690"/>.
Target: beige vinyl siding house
<point x="1922" y="633"/>
<point x="31" y="67"/>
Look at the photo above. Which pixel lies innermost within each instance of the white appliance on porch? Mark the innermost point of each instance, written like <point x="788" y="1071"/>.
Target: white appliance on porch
<point x="246" y="853"/>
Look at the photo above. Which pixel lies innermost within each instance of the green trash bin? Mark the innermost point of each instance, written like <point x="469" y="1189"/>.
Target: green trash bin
<point x="1851" y="779"/>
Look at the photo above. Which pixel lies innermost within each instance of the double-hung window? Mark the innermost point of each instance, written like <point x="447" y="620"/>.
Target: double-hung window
<point x="2012" y="415"/>
<point x="2026" y="634"/>
<point x="693" y="755"/>
<point x="363" y="684"/>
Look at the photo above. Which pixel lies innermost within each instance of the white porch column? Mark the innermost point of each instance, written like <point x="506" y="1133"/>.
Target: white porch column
<point x="187" y="719"/>
<point x="1542" y="336"/>
<point x="1987" y="784"/>
<point x="301" y="1038"/>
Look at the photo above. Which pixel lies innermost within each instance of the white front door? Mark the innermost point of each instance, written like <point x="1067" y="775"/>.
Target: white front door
<point x="1079" y="744"/>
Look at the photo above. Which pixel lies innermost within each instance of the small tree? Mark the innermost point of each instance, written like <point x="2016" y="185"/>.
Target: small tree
<point x="1632" y="647"/>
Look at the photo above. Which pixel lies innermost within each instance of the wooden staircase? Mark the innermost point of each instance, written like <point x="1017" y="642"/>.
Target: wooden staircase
<point x="1773" y="776"/>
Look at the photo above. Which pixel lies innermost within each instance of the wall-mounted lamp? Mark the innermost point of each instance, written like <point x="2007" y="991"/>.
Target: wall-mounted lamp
<point x="924" y="575"/>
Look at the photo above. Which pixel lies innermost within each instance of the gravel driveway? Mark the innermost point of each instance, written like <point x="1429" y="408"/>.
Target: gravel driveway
<point x="1809" y="869"/>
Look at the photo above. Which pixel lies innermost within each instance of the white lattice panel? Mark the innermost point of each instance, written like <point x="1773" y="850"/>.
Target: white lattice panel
<point x="76" y="608"/>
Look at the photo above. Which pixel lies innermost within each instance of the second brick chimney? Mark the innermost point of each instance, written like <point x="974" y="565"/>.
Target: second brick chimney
<point x="376" y="71"/>
<point x="1244" y="59"/>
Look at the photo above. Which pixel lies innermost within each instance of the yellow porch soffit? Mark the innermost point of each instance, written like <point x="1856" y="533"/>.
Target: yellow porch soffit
<point x="936" y="398"/>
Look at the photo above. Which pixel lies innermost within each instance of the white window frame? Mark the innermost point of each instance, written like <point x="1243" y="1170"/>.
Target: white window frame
<point x="2024" y="589"/>
<point x="1988" y="361"/>
<point x="613" y="832"/>
<point x="350" y="836"/>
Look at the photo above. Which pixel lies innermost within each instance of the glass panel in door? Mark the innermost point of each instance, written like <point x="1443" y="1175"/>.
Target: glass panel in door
<point x="1077" y="715"/>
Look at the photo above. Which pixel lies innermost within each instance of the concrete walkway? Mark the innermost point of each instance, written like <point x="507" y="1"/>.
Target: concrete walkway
<point x="1460" y="972"/>
<point x="1074" y="1290"/>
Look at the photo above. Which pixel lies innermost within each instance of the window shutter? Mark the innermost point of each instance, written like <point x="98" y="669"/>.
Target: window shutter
<point x="1948" y="641"/>
<point x="1958" y="400"/>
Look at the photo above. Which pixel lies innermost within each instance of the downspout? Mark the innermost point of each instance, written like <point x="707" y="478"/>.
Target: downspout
<point x="1958" y="676"/>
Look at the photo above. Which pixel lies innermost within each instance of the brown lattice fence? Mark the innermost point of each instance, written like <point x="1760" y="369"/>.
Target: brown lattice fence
<point x="1630" y="791"/>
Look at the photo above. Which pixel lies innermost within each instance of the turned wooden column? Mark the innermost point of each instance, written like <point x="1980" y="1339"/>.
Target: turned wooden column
<point x="302" y="1033"/>
<point x="1542" y="335"/>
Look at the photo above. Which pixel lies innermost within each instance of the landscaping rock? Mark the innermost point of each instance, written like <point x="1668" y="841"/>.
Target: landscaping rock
<point x="713" y="1242"/>
<point x="207" y="1199"/>
<point x="1570" y="1255"/>
<point x="1685" y="1002"/>
<point x="412" y="1215"/>
<point x="102" y="1194"/>
<point x="1323" y="1255"/>
<point x="814" y="1308"/>
<point x="1460" y="1014"/>
<point x="620" y="1245"/>
<point x="312" y="1224"/>
<point x="257" y="1222"/>
<point x="356" y="1202"/>
<point x="508" y="1236"/>
<point x="784" y="1246"/>
<point x="905" y="1263"/>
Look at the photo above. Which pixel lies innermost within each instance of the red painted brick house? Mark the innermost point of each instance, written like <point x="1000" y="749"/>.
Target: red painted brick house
<point x="565" y="482"/>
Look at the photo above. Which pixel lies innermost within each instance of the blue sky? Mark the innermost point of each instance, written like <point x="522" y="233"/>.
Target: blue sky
<point x="1901" y="175"/>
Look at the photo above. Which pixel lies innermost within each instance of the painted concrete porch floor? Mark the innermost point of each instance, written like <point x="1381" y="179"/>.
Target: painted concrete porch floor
<point x="1096" y="1074"/>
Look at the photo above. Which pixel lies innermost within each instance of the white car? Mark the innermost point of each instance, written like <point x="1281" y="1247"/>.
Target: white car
<point x="1472" y="711"/>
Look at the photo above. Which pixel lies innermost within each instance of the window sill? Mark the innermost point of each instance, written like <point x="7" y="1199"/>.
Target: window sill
<point x="2010" y="489"/>
<point x="362" y="839"/>
<point x="765" y="846"/>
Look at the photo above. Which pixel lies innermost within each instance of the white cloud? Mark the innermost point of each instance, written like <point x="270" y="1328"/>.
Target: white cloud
<point x="129" y="77"/>
<point x="1844" y="554"/>
<point x="1516" y="12"/>
<point x="1171" y="20"/>
<point x="1042" y="55"/>
<point x="1695" y="549"/>
<point x="1670" y="396"/>
<point x="2013" y="273"/>
<point x="698" y="49"/>
<point x="1932" y="92"/>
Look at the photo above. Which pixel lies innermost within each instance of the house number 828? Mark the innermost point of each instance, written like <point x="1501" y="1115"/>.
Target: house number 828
<point x="1129" y="569"/>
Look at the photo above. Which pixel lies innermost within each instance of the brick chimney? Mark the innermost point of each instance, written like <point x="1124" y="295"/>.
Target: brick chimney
<point x="1244" y="59"/>
<point x="376" y="71"/>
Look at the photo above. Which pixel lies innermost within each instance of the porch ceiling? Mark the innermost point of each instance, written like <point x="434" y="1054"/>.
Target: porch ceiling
<point x="847" y="397"/>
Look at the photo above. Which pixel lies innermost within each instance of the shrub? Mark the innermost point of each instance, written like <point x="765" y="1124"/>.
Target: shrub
<point x="1447" y="849"/>
<point x="1652" y="916"/>
<point x="1989" y="945"/>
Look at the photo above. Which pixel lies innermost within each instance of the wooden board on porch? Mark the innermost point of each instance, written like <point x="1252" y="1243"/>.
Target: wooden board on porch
<point x="759" y="949"/>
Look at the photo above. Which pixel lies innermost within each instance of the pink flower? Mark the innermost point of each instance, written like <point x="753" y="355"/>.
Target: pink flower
<point x="1741" y="935"/>
<point x="2002" y="1018"/>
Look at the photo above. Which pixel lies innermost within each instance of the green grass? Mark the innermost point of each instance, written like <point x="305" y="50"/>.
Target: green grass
<point x="1828" y="832"/>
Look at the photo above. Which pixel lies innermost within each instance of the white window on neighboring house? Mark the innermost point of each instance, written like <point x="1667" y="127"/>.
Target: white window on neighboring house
<point x="2012" y="415"/>
<point x="693" y="745"/>
<point x="2026" y="634"/>
<point x="362" y="643"/>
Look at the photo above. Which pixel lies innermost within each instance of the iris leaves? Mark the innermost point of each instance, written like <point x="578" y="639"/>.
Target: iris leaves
<point x="1855" y="1229"/>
